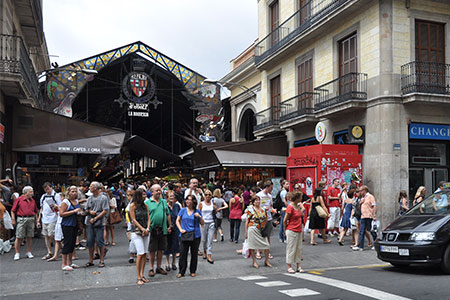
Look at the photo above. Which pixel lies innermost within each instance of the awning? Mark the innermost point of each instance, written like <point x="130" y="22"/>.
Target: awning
<point x="145" y="148"/>
<point x="36" y="130"/>
<point x="266" y="153"/>
<point x="105" y="144"/>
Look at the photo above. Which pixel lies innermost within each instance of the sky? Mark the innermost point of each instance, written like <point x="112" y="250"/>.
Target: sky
<point x="203" y="35"/>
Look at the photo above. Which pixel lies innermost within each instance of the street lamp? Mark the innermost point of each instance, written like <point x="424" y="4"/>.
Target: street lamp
<point x="222" y="83"/>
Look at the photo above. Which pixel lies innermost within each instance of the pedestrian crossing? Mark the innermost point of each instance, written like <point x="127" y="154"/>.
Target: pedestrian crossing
<point x="301" y="292"/>
<point x="296" y="292"/>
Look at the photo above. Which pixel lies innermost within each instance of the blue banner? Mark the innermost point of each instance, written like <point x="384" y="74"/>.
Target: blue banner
<point x="429" y="131"/>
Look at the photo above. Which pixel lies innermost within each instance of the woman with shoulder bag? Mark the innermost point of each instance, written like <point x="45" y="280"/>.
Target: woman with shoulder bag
<point x="255" y="222"/>
<point x="140" y="232"/>
<point x="188" y="222"/>
<point x="316" y="221"/>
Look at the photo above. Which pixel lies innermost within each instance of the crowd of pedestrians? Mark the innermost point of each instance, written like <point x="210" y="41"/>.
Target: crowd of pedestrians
<point x="167" y="220"/>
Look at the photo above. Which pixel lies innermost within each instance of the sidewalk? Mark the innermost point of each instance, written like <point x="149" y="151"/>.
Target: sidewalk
<point x="35" y="275"/>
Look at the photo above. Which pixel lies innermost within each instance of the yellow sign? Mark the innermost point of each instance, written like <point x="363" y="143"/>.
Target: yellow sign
<point x="357" y="132"/>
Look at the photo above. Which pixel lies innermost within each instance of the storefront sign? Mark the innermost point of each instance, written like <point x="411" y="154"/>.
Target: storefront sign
<point x="138" y="109"/>
<point x="429" y="131"/>
<point x="321" y="132"/>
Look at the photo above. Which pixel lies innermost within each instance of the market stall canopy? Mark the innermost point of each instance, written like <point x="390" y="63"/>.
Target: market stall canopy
<point x="269" y="152"/>
<point x="36" y="130"/>
<point x="145" y="148"/>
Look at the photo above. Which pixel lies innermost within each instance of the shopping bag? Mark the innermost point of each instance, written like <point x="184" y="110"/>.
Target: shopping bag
<point x="306" y="228"/>
<point x="245" y="250"/>
<point x="7" y="221"/>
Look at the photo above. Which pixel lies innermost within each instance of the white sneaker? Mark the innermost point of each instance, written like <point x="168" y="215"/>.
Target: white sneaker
<point x="215" y="241"/>
<point x="17" y="256"/>
<point x="357" y="249"/>
<point x="29" y="255"/>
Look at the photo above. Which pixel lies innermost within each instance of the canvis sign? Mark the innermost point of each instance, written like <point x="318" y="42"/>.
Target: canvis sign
<point x="429" y="131"/>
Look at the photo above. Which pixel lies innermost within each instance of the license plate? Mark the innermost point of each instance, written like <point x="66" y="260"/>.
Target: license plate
<point x="403" y="252"/>
<point x="390" y="249"/>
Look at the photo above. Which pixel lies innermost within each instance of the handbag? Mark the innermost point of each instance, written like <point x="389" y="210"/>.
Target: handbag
<point x="188" y="236"/>
<point x="115" y="218"/>
<point x="321" y="212"/>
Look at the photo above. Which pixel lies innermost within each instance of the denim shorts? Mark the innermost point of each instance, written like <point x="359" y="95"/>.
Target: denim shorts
<point x="95" y="234"/>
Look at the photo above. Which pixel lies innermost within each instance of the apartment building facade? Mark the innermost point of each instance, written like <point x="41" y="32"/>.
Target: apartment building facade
<point x="380" y="64"/>
<point x="23" y="53"/>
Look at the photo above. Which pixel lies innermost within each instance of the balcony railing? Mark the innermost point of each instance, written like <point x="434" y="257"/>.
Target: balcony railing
<point x="14" y="59"/>
<point x="308" y="15"/>
<point x="266" y="118"/>
<point x="297" y="106"/>
<point x="425" y="77"/>
<point x="352" y="86"/>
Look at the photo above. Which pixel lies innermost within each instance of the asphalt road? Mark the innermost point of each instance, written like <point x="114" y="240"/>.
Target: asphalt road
<point x="333" y="272"/>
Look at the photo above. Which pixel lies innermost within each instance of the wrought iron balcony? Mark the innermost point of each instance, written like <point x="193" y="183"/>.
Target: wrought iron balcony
<point x="304" y="18"/>
<point x="267" y="118"/>
<point x="297" y="106"/>
<point x="349" y="87"/>
<point x="16" y="66"/>
<point x="425" y="77"/>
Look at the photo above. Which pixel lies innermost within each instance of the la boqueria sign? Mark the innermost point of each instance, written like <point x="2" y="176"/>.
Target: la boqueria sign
<point x="429" y="131"/>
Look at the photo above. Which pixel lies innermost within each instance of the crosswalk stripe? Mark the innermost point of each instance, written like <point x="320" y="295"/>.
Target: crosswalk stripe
<point x="254" y="277"/>
<point x="299" y="292"/>
<point x="272" y="283"/>
<point x="351" y="287"/>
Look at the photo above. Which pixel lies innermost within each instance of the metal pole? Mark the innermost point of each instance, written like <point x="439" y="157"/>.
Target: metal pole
<point x="171" y="114"/>
<point x="87" y="101"/>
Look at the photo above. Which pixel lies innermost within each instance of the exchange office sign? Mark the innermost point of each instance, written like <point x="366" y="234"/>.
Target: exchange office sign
<point x="429" y="131"/>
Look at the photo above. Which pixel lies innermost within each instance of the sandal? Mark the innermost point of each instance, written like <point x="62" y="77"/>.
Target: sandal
<point x="75" y="266"/>
<point x="300" y="270"/>
<point x="101" y="264"/>
<point x="291" y="271"/>
<point x="267" y="264"/>
<point x="256" y="266"/>
<point x="314" y="244"/>
<point x="88" y="264"/>
<point x="113" y="244"/>
<point x="179" y="275"/>
<point x="140" y="281"/>
<point x="48" y="256"/>
<point x="341" y="243"/>
<point x="67" y="268"/>
<point x="145" y="280"/>
<point x="107" y="243"/>
<point x="151" y="273"/>
<point x="326" y="241"/>
<point x="270" y="256"/>
<point x="258" y="256"/>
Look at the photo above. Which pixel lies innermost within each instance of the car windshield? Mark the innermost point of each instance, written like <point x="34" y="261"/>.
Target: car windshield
<point x="435" y="204"/>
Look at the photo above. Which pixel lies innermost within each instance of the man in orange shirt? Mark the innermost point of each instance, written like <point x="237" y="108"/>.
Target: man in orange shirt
<point x="368" y="214"/>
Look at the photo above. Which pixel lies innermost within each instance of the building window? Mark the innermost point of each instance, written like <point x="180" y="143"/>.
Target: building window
<point x="305" y="84"/>
<point x="275" y="96"/>
<point x="304" y="11"/>
<point x="430" y="41"/>
<point x="348" y="58"/>
<point x="430" y="55"/>
<point x="274" y="21"/>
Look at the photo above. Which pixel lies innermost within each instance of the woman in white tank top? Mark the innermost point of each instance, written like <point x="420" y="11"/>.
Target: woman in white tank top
<point x="207" y="207"/>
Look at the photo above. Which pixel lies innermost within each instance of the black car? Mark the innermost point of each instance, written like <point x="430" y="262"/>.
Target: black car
<point x="420" y="236"/>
